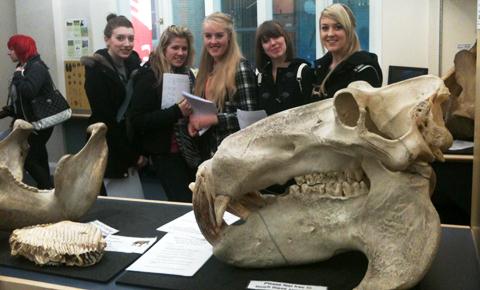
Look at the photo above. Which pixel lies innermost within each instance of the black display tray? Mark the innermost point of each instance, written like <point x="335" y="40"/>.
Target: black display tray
<point x="454" y="267"/>
<point x="137" y="219"/>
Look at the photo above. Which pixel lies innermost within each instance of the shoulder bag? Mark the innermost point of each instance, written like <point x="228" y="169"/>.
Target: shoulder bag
<point x="48" y="110"/>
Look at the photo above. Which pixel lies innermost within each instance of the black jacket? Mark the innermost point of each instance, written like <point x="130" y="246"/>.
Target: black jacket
<point x="361" y="65"/>
<point x="286" y="92"/>
<point x="106" y="93"/>
<point x="33" y="82"/>
<point x="153" y="126"/>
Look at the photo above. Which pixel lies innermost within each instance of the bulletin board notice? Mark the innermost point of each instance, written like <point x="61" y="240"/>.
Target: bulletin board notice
<point x="77" y="38"/>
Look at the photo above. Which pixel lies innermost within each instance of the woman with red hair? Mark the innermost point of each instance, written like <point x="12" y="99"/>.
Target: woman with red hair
<point x="31" y="79"/>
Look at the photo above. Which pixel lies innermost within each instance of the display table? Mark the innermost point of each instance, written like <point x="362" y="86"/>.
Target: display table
<point x="455" y="266"/>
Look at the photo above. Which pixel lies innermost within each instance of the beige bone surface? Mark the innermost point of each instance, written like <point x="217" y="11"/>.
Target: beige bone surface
<point x="363" y="183"/>
<point x="77" y="181"/>
<point x="460" y="80"/>
<point x="63" y="243"/>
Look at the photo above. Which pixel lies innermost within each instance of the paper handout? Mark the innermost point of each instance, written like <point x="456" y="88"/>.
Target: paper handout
<point x="187" y="225"/>
<point x="174" y="254"/>
<point x="172" y="87"/>
<point x="460" y="145"/>
<point x="246" y="118"/>
<point x="200" y="106"/>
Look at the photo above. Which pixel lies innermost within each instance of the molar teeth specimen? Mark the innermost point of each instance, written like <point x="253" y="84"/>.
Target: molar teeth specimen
<point x="347" y="189"/>
<point x="77" y="181"/>
<point x="300" y="179"/>
<point x="64" y="243"/>
<point x="370" y="147"/>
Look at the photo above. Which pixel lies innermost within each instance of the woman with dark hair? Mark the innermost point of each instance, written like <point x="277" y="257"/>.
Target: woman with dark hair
<point x="283" y="81"/>
<point x="108" y="75"/>
<point x="154" y="125"/>
<point x="30" y="80"/>
<point x="344" y="62"/>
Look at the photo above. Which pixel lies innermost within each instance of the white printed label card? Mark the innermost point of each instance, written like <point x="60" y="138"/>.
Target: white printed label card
<point x="272" y="285"/>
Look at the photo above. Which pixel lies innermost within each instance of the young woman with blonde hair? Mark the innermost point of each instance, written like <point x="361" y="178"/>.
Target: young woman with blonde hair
<point x="225" y="78"/>
<point x="344" y="62"/>
<point x="154" y="125"/>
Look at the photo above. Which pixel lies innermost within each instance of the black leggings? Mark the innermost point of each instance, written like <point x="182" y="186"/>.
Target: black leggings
<point x="36" y="162"/>
<point x="174" y="175"/>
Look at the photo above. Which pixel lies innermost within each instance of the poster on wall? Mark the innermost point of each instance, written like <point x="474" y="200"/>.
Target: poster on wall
<point x="142" y="23"/>
<point x="76" y="37"/>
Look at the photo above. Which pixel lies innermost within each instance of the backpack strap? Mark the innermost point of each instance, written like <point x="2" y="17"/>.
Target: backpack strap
<point x="259" y="77"/>
<point x="299" y="75"/>
<point x="361" y="67"/>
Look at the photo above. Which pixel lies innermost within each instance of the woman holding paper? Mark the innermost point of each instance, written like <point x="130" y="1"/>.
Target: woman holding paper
<point x="157" y="106"/>
<point x="225" y="78"/>
<point x="283" y="81"/>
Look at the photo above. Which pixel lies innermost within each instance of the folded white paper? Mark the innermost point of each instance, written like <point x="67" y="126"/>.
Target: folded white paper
<point x="174" y="254"/>
<point x="199" y="105"/>
<point x="246" y="118"/>
<point x="104" y="228"/>
<point x="186" y="224"/>
<point x="460" y="145"/>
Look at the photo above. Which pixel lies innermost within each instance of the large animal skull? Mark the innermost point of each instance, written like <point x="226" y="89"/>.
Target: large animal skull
<point x="77" y="181"/>
<point x="460" y="80"/>
<point x="363" y="183"/>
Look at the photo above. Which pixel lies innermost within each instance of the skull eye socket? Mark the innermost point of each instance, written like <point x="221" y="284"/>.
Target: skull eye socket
<point x="348" y="113"/>
<point x="347" y="109"/>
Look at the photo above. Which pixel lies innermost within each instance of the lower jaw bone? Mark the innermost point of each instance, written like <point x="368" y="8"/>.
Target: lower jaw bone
<point x="394" y="225"/>
<point x="77" y="181"/>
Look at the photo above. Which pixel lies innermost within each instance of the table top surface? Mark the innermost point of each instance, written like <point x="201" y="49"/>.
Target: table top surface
<point x="455" y="266"/>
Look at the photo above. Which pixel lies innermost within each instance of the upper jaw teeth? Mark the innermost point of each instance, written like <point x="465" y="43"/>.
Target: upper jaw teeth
<point x="350" y="182"/>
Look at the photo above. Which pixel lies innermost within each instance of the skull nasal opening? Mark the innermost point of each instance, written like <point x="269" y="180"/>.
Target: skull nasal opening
<point x="347" y="109"/>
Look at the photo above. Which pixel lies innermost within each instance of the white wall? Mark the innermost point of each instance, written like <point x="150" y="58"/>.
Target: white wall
<point x="458" y="29"/>
<point x="410" y="34"/>
<point x="99" y="9"/>
<point x="9" y="26"/>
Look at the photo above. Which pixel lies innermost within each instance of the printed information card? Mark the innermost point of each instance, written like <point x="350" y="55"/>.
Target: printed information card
<point x="271" y="285"/>
<point x="174" y="254"/>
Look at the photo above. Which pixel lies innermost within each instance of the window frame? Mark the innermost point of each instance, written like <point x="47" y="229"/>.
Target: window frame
<point x="265" y="12"/>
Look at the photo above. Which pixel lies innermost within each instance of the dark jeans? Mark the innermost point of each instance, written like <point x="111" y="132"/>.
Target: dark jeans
<point x="174" y="175"/>
<point x="36" y="162"/>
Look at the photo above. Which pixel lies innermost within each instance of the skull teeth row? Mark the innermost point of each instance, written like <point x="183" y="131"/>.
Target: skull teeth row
<point x="336" y="184"/>
<point x="349" y="175"/>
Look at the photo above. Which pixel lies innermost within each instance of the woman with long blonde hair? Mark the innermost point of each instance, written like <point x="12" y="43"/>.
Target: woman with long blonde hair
<point x="225" y="78"/>
<point x="154" y="125"/>
<point x="344" y="62"/>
